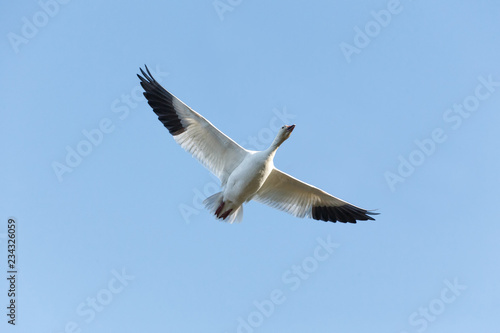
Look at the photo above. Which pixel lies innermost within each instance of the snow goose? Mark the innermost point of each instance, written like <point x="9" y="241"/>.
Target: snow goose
<point x="244" y="174"/>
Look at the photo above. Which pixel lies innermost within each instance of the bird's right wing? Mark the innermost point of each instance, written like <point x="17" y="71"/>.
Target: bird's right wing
<point x="216" y="151"/>
<point x="291" y="195"/>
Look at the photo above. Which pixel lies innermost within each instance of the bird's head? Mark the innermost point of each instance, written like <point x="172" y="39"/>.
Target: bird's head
<point x="284" y="132"/>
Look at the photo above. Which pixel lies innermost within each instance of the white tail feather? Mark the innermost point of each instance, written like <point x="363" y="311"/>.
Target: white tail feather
<point x="235" y="216"/>
<point x="212" y="202"/>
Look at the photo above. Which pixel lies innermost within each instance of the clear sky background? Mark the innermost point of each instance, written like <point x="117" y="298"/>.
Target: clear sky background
<point x="396" y="107"/>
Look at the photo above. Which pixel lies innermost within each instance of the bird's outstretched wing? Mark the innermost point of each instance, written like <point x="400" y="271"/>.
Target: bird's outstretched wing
<point x="216" y="151"/>
<point x="291" y="195"/>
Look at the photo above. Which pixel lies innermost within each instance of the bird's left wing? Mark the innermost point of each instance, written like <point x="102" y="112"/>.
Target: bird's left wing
<point x="216" y="151"/>
<point x="291" y="195"/>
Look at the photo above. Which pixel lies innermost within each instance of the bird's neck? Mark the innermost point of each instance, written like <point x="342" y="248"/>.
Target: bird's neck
<point x="274" y="146"/>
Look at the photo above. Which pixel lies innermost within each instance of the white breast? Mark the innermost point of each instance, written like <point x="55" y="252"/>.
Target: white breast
<point x="248" y="178"/>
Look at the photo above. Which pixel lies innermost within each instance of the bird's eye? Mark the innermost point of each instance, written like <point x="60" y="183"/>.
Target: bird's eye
<point x="282" y="126"/>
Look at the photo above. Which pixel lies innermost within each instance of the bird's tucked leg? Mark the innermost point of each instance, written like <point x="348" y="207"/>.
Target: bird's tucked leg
<point x="225" y="215"/>
<point x="219" y="209"/>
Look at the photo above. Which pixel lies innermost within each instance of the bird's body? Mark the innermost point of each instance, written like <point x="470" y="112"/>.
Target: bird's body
<point x="248" y="177"/>
<point x="245" y="175"/>
<point x="243" y="183"/>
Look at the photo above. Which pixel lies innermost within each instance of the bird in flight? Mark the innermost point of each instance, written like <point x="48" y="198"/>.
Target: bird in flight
<point x="244" y="174"/>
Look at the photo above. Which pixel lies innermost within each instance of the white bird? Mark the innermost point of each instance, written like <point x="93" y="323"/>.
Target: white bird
<point x="244" y="174"/>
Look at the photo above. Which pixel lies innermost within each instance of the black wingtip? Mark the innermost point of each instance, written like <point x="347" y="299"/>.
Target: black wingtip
<point x="344" y="213"/>
<point x="161" y="101"/>
<point x="147" y="70"/>
<point x="146" y="77"/>
<point x="371" y="212"/>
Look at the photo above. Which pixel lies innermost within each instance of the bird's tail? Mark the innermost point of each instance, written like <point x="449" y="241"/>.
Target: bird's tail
<point x="218" y="207"/>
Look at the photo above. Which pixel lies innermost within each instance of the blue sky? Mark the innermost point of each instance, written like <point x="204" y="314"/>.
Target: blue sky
<point x="396" y="106"/>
